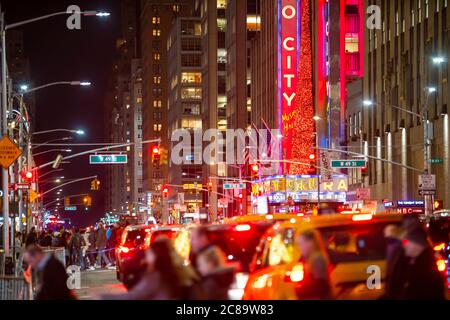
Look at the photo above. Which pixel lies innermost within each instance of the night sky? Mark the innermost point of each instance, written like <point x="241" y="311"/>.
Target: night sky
<point x="59" y="54"/>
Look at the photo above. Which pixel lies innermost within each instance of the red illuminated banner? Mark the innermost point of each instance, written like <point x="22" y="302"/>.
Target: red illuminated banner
<point x="296" y="109"/>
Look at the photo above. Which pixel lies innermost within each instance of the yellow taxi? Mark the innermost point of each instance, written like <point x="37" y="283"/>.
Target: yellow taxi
<point x="275" y="217"/>
<point x="354" y="244"/>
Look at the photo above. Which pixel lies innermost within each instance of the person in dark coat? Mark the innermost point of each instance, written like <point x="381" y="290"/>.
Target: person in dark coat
<point x="200" y="241"/>
<point x="51" y="275"/>
<point x="216" y="276"/>
<point x="47" y="239"/>
<point x="31" y="237"/>
<point x="100" y="246"/>
<point x="166" y="276"/>
<point x="422" y="280"/>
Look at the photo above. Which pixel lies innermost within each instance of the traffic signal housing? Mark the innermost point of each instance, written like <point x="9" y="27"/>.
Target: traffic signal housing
<point x="209" y="186"/>
<point x="255" y="171"/>
<point x="364" y="171"/>
<point x="87" y="201"/>
<point x="95" y="185"/>
<point x="156" y="155"/>
<point x="312" y="164"/>
<point x="438" y="204"/>
<point x="165" y="192"/>
<point x="28" y="176"/>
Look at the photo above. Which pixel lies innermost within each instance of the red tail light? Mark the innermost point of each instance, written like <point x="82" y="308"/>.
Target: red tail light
<point x="243" y="227"/>
<point x="297" y="273"/>
<point x="124" y="249"/>
<point x="362" y="217"/>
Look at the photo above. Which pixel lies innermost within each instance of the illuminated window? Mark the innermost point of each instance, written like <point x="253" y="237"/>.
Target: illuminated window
<point x="191" y="93"/>
<point x="157" y="80"/>
<point x="157" y="127"/>
<point x="156" y="20"/>
<point x="191" y="77"/>
<point x="176" y="8"/>
<point x="157" y="56"/>
<point x="139" y="100"/>
<point x="157" y="104"/>
<point x="191" y="123"/>
<point x="156" y="32"/>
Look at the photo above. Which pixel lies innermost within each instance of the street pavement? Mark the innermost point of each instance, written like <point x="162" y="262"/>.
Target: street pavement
<point x="94" y="283"/>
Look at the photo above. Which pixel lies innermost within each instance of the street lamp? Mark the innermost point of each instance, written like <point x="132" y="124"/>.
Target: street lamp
<point x="78" y="132"/>
<point x="24" y="89"/>
<point x="438" y="60"/>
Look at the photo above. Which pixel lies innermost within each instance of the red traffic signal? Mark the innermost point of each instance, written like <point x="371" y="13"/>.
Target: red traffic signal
<point x="312" y="157"/>
<point x="165" y="191"/>
<point x="209" y="186"/>
<point x="156" y="150"/>
<point x="312" y="164"/>
<point x="28" y="175"/>
<point x="255" y="168"/>
<point x="240" y="196"/>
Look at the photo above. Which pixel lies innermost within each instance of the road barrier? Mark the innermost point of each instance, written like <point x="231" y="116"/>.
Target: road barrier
<point x="15" y="288"/>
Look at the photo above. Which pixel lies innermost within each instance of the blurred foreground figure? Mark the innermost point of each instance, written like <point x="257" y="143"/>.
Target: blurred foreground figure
<point x="166" y="277"/>
<point x="51" y="275"/>
<point x="421" y="279"/>
<point x="217" y="276"/>
<point x="316" y="284"/>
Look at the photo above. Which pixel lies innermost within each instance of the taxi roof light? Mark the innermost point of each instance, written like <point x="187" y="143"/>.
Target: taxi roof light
<point x="362" y="217"/>
<point x="243" y="227"/>
<point x="439" y="246"/>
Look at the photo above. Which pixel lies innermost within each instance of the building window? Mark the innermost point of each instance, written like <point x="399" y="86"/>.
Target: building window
<point x="191" y="108"/>
<point x="157" y="127"/>
<point x="157" y="104"/>
<point x="156" y="20"/>
<point x="191" y="77"/>
<point x="157" y="56"/>
<point x="139" y="100"/>
<point x="191" y="93"/>
<point x="157" y="80"/>
<point x="156" y="32"/>
<point x="191" y="123"/>
<point x="157" y="115"/>
<point x="176" y="8"/>
<point x="191" y="60"/>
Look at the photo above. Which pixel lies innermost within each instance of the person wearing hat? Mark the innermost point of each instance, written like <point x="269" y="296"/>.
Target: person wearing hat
<point x="421" y="278"/>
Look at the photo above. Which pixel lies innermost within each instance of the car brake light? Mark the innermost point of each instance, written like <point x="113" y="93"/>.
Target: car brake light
<point x="297" y="274"/>
<point x="362" y="217"/>
<point x="269" y="216"/>
<point x="439" y="247"/>
<point x="243" y="227"/>
<point x="441" y="265"/>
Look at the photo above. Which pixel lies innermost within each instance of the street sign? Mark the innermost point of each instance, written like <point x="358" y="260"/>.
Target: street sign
<point x="436" y="161"/>
<point x="427" y="192"/>
<point x="108" y="159"/>
<point x="70" y="209"/>
<point x="21" y="186"/>
<point x="427" y="182"/>
<point x="348" y="163"/>
<point x="9" y="152"/>
<point x="223" y="203"/>
<point x="363" y="194"/>
<point x="236" y="186"/>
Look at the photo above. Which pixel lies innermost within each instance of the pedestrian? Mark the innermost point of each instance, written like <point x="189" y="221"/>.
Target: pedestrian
<point x="200" y="241"/>
<point x="216" y="275"/>
<point x="112" y="242"/>
<point x="422" y="280"/>
<point x="316" y="281"/>
<point x="396" y="260"/>
<point x="101" y="247"/>
<point x="31" y="237"/>
<point x="166" y="277"/>
<point x="91" y="248"/>
<point x="51" y="275"/>
<point x="75" y="244"/>
<point x="18" y="243"/>
<point x="46" y="239"/>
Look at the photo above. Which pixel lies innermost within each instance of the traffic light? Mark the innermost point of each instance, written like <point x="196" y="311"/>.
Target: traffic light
<point x="364" y="171"/>
<point x="87" y="201"/>
<point x="165" y="192"/>
<point x="240" y="196"/>
<point x="156" y="155"/>
<point x="28" y="176"/>
<point x="164" y="156"/>
<point x="209" y="186"/>
<point x="95" y="185"/>
<point x="312" y="164"/>
<point x="67" y="201"/>
<point x="438" y="204"/>
<point x="255" y="171"/>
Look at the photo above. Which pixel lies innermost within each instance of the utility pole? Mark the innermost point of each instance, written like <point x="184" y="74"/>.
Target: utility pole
<point x="4" y="109"/>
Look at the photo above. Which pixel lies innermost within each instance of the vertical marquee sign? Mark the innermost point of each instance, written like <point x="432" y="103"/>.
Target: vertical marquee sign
<point x="295" y="82"/>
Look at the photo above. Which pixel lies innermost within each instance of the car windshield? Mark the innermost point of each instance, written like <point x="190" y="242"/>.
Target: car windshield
<point x="239" y="246"/>
<point x="134" y="237"/>
<point x="439" y="229"/>
<point x="353" y="243"/>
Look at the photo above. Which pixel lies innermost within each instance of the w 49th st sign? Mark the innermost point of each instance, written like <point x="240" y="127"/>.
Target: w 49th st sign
<point x="108" y="159"/>
<point x="348" y="163"/>
<point x="9" y="152"/>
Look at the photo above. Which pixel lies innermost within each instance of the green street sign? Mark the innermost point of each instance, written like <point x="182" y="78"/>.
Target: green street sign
<point x="108" y="159"/>
<point x="230" y="186"/>
<point x="348" y="163"/>
<point x="436" y="161"/>
<point x="70" y="209"/>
